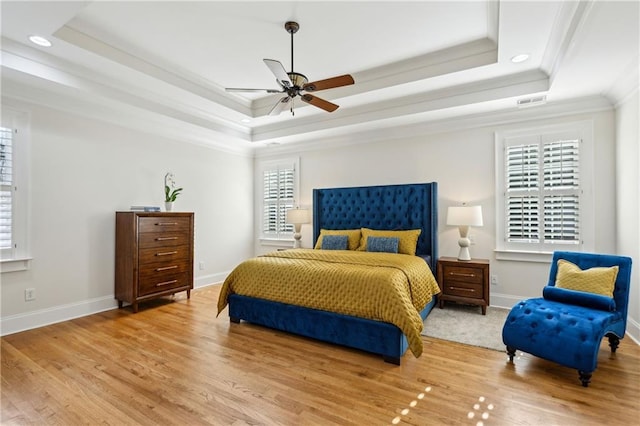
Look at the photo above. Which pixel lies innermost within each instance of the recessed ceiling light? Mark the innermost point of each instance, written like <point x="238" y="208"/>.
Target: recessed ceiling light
<point x="40" y="41"/>
<point x="520" y="58"/>
<point x="246" y="120"/>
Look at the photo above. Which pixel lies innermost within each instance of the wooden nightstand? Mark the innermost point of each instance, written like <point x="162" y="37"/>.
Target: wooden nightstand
<point x="464" y="281"/>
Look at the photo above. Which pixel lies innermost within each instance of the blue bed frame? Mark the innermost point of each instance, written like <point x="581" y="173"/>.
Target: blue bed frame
<point x="389" y="207"/>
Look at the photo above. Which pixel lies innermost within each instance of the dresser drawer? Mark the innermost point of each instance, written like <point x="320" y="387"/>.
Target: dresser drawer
<point x="473" y="291"/>
<point x="164" y="224"/>
<point x="162" y="239"/>
<point x="462" y="273"/>
<point x="155" y="255"/>
<point x="154" y="283"/>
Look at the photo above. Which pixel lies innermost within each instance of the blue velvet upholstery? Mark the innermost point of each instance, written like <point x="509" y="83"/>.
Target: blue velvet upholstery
<point x="383" y="244"/>
<point x="388" y="207"/>
<point x="335" y="242"/>
<point x="568" y="330"/>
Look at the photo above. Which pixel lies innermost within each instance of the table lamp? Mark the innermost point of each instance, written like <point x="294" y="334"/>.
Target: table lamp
<point x="464" y="217"/>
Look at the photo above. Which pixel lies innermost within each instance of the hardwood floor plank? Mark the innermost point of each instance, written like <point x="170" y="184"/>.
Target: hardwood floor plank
<point x="175" y="362"/>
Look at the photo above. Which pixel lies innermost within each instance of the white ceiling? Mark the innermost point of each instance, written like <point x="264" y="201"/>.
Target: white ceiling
<point x="164" y="65"/>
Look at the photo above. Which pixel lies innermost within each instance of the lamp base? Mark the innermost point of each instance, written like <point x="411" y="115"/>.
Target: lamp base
<point x="464" y="242"/>
<point x="296" y="237"/>
<point x="464" y="254"/>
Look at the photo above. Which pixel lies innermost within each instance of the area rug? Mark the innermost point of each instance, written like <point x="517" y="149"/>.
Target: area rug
<point x="466" y="324"/>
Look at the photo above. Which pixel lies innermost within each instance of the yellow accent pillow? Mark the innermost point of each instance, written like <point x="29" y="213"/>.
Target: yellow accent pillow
<point x="408" y="240"/>
<point x="596" y="280"/>
<point x="353" y="236"/>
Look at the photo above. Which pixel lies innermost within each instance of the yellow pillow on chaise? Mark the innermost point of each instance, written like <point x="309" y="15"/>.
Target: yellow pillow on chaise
<point x="408" y="240"/>
<point x="598" y="280"/>
<point x="353" y="236"/>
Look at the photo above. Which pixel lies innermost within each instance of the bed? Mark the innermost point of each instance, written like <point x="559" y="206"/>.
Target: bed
<point x="383" y="207"/>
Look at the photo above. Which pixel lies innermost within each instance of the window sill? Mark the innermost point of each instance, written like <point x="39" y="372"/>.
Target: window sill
<point x="15" y="264"/>
<point x="288" y="243"/>
<point x="524" y="256"/>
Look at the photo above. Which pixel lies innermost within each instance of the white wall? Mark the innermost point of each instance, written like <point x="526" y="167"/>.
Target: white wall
<point x="82" y="171"/>
<point x="462" y="162"/>
<point x="628" y="194"/>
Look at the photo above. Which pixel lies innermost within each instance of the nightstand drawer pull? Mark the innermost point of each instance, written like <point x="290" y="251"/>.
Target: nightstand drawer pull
<point x="166" y="238"/>
<point x="167" y="223"/>
<point x="166" y="268"/>
<point x="456" y="274"/>
<point x="462" y="289"/>
<point x="166" y="253"/>
<point x="166" y="283"/>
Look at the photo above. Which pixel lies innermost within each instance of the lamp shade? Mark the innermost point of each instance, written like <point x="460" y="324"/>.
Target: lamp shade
<point x="465" y="216"/>
<point x="297" y="216"/>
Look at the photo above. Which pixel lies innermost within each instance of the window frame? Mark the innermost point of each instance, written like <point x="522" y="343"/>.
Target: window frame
<point x="541" y="251"/>
<point x="18" y="257"/>
<point x="286" y="235"/>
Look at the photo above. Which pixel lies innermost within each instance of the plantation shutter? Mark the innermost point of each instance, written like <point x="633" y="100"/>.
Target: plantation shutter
<point x="279" y="191"/>
<point x="6" y="187"/>
<point x="542" y="194"/>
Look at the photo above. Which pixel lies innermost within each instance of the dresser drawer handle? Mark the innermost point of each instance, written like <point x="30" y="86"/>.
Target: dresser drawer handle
<point x="462" y="275"/>
<point x="166" y="253"/>
<point x="462" y="289"/>
<point x="166" y="268"/>
<point x="166" y="238"/>
<point x="166" y="283"/>
<point x="166" y="223"/>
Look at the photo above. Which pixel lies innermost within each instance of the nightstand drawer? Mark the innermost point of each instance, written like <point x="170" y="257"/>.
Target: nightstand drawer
<point x="464" y="290"/>
<point x="462" y="273"/>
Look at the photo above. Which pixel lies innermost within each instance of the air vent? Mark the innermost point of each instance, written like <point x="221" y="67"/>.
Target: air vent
<point x="529" y="102"/>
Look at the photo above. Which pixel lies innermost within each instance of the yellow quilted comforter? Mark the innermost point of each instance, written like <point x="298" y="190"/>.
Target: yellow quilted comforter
<point x="386" y="287"/>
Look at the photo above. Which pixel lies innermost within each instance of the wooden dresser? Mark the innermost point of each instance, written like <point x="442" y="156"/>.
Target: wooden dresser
<point x="464" y="281"/>
<point x="154" y="255"/>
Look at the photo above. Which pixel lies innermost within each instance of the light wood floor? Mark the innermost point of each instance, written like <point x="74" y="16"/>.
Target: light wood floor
<point x="174" y="362"/>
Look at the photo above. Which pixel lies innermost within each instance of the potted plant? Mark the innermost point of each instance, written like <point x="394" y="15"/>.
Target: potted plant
<point x="170" y="191"/>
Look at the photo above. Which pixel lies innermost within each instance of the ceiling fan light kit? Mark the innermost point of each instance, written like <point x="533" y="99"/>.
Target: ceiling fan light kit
<point x="293" y="83"/>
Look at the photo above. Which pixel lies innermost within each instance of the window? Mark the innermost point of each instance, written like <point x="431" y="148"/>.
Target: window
<point x="6" y="188"/>
<point x="279" y="194"/>
<point x="13" y="190"/>
<point x="540" y="180"/>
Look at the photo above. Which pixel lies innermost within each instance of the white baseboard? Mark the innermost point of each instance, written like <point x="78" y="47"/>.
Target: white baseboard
<point x="40" y="318"/>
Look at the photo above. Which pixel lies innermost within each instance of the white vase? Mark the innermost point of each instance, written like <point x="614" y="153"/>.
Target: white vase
<point x="168" y="206"/>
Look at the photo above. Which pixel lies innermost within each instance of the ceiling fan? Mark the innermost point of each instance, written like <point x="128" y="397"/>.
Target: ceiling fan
<point x="294" y="84"/>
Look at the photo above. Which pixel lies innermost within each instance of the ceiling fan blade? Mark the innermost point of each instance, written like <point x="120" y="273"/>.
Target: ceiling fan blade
<point x="329" y="83"/>
<point x="320" y="103"/>
<point x="282" y="104"/>
<point x="240" y="89"/>
<point x="278" y="70"/>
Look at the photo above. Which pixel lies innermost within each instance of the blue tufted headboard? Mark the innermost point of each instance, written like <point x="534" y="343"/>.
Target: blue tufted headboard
<point x="388" y="207"/>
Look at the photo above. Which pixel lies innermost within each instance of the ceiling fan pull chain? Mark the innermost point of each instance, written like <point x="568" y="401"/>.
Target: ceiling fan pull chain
<point x="292" y="102"/>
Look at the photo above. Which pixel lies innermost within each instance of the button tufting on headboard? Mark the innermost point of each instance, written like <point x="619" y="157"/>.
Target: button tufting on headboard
<point x="389" y="207"/>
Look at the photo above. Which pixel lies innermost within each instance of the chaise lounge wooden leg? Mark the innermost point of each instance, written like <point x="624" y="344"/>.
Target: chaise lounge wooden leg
<point x="511" y="352"/>
<point x="234" y="320"/>
<point x="614" y="342"/>
<point x="585" y="378"/>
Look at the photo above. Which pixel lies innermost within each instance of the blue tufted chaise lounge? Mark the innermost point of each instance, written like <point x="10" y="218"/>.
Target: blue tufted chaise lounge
<point x="566" y="326"/>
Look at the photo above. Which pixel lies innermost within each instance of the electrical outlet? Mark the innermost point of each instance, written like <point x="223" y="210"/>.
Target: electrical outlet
<point x="472" y="239"/>
<point x="29" y="294"/>
<point x="201" y="266"/>
<point x="494" y="279"/>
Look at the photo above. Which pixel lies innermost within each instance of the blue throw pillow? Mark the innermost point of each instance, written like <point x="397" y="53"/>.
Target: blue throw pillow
<point x="581" y="298"/>
<point x="383" y="244"/>
<point x="335" y="242"/>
